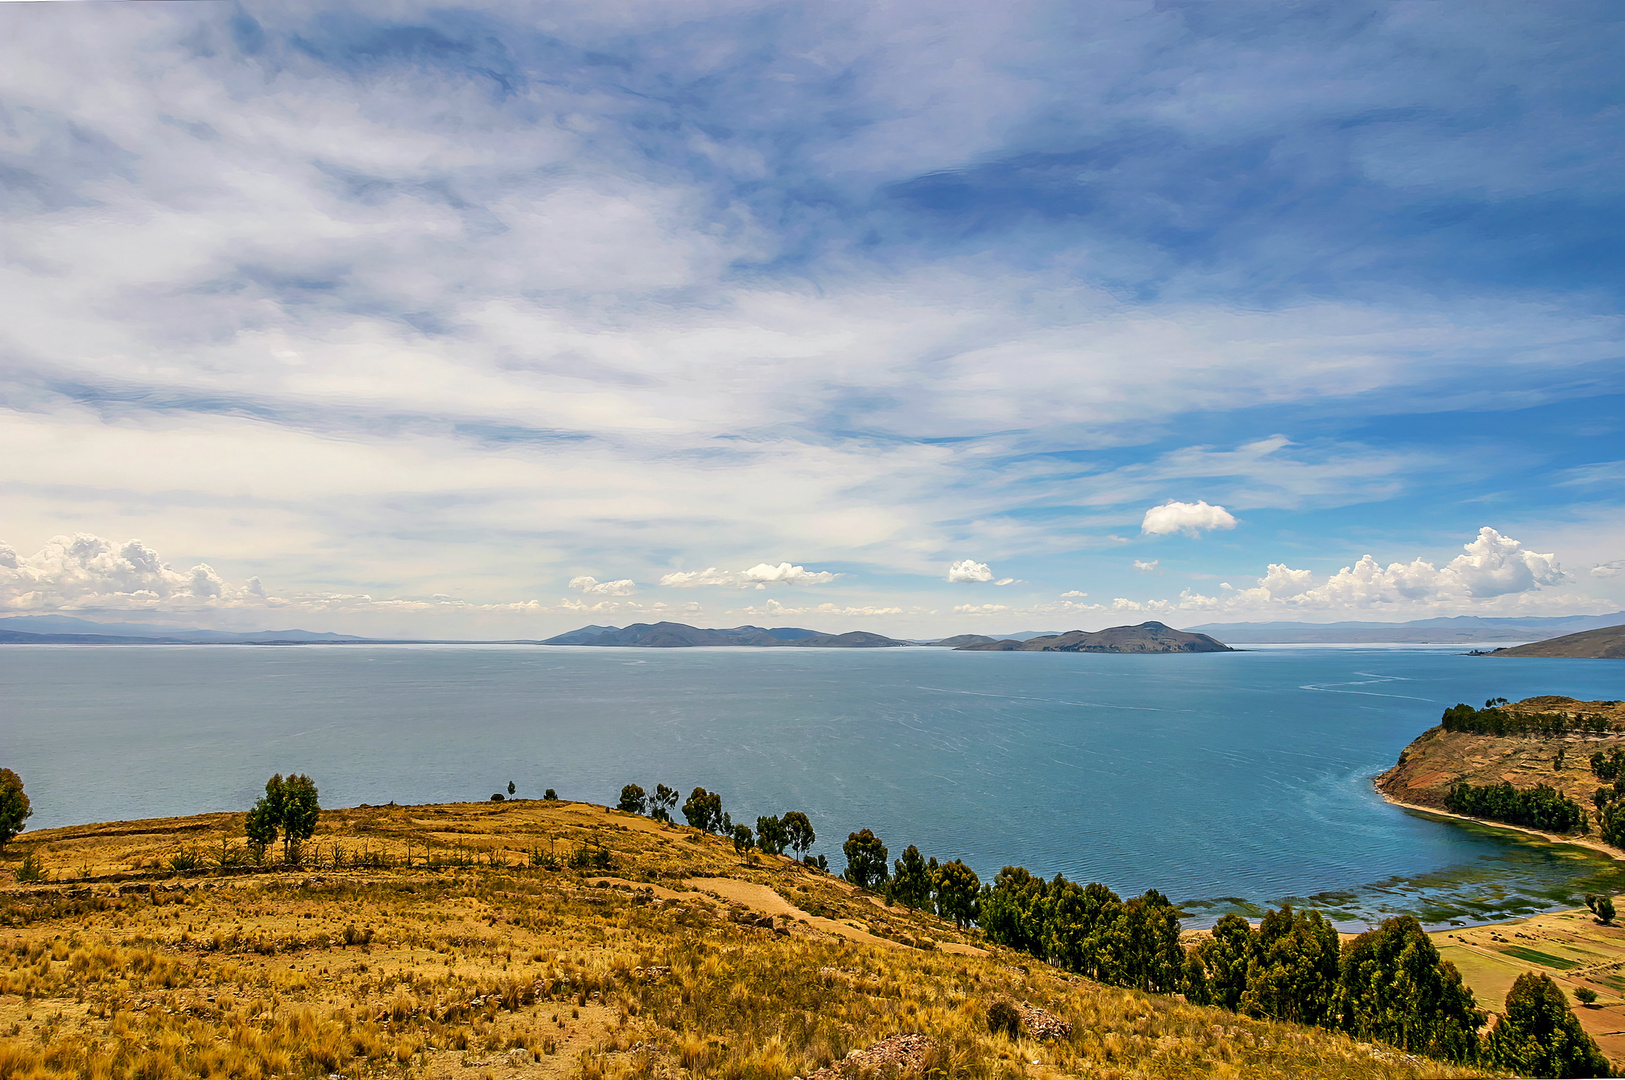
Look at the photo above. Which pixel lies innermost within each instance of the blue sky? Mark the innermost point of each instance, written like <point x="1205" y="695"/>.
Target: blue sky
<point x="913" y="318"/>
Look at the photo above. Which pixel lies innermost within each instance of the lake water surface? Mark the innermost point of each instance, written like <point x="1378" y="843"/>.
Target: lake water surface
<point x="1227" y="781"/>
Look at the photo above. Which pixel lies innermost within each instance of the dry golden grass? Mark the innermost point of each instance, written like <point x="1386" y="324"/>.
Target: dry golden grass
<point x="493" y="968"/>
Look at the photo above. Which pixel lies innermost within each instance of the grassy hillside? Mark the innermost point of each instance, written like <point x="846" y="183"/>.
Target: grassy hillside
<point x="427" y="941"/>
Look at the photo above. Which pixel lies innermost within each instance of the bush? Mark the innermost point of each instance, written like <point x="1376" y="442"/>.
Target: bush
<point x="31" y="869"/>
<point x="499" y="797"/>
<point x="1002" y="1016"/>
<point x="1585" y="995"/>
<point x="550" y="795"/>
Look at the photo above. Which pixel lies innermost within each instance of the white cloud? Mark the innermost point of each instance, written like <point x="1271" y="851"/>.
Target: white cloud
<point x="1189" y="518"/>
<point x="786" y="574"/>
<point x="84" y="571"/>
<point x="1609" y="569"/>
<point x="1145" y="567"/>
<point x="1496" y="565"/>
<point x="594" y="587"/>
<point x="759" y="576"/>
<point x="774" y="609"/>
<point x="980" y="609"/>
<point x="1006" y="581"/>
<point x="1073" y="595"/>
<point x="1282" y="581"/>
<point x="968" y="570"/>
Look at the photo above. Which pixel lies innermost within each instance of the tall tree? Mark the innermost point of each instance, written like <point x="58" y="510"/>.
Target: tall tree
<point x="1011" y="911"/>
<point x="1152" y="957"/>
<point x="633" y="800"/>
<point x="1293" y="974"/>
<point x="660" y="805"/>
<point x="771" y="835"/>
<point x="300" y="811"/>
<point x="1539" y="1035"/>
<point x="798" y="832"/>
<point x="911" y="882"/>
<point x="1395" y="988"/>
<point x="743" y="839"/>
<point x="865" y="859"/>
<point x="958" y="893"/>
<point x="14" y="807"/>
<point x="703" y="810"/>
<point x="1226" y="955"/>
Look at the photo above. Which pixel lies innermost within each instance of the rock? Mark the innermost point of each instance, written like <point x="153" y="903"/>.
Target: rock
<point x="900" y="1053"/>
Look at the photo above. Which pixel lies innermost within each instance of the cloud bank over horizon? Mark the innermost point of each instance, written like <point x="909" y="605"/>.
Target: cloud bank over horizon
<point x="475" y="319"/>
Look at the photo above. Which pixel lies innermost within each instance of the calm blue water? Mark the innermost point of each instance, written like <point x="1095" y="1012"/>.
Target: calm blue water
<point x="1224" y="780"/>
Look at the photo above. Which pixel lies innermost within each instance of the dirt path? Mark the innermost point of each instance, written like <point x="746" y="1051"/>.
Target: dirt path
<point x="767" y="900"/>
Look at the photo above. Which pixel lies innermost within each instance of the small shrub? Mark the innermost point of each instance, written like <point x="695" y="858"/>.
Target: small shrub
<point x="498" y="797"/>
<point x="31" y="869"/>
<point x="1002" y="1016"/>
<point x="550" y="795"/>
<point x="184" y="860"/>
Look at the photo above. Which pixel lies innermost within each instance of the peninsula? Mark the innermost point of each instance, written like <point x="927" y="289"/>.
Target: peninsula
<point x="1548" y="740"/>
<point x="1607" y="643"/>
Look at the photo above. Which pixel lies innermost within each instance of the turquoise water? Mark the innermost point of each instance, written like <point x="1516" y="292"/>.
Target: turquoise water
<point x="1227" y="781"/>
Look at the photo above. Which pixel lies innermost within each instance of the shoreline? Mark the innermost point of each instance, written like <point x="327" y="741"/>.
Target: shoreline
<point x="1551" y="838"/>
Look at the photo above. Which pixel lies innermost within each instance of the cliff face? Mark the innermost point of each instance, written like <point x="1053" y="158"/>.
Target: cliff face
<point x="1438" y="758"/>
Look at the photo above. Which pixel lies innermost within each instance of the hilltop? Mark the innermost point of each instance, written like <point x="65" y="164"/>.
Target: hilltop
<point x="1607" y="643"/>
<point x="1438" y="758"/>
<point x="1148" y="637"/>
<point x="550" y="939"/>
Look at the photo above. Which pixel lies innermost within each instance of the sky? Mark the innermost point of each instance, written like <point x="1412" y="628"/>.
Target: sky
<point x="927" y="318"/>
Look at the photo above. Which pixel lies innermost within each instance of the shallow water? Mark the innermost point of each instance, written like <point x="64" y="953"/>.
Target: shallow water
<point x="1228" y="781"/>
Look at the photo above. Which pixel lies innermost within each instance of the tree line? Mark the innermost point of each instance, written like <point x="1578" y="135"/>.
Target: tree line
<point x="773" y="835"/>
<point x="1494" y="719"/>
<point x="1540" y="807"/>
<point x="1389" y="984"/>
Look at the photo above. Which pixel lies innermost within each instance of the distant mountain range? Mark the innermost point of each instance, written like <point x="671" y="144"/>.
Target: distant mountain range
<point x="1459" y="629"/>
<point x="1607" y="643"/>
<point x="67" y="630"/>
<point x="1148" y="637"/>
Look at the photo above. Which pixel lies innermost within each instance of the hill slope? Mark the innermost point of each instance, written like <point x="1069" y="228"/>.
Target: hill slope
<point x="432" y="946"/>
<point x="1607" y="643"/>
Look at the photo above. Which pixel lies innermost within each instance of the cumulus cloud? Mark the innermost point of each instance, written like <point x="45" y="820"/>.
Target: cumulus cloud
<point x="969" y="570"/>
<point x="85" y="571"/>
<point x="1074" y="594"/>
<point x="1145" y="567"/>
<point x="980" y="609"/>
<point x="1283" y="582"/>
<point x="594" y="587"/>
<point x="1189" y="518"/>
<point x="1609" y="569"/>
<point x="759" y="576"/>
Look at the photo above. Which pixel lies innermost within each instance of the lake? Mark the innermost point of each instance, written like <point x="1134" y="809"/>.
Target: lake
<point x="1226" y="780"/>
